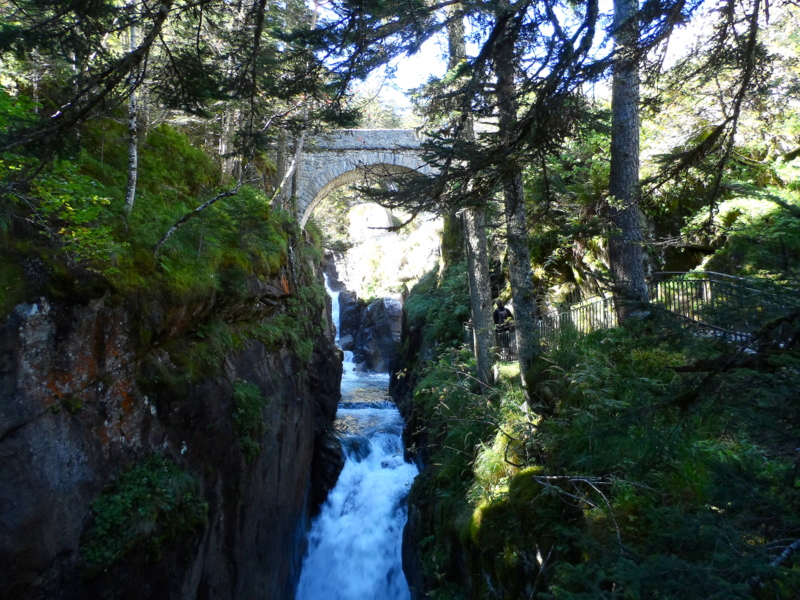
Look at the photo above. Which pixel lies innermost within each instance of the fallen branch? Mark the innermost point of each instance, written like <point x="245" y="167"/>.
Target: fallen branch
<point x="787" y="552"/>
<point x="232" y="192"/>
<point x="758" y="581"/>
<point x="194" y="213"/>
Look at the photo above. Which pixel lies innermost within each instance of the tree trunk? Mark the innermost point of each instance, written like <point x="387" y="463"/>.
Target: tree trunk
<point x="474" y="226"/>
<point x="281" y="158"/>
<point x="289" y="177"/>
<point x="519" y="262"/>
<point x="133" y="135"/>
<point x="452" y="238"/>
<point x="480" y="291"/>
<point x="626" y="243"/>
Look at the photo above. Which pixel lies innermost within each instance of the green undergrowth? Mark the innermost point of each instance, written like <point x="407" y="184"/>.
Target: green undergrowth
<point x="762" y="234"/>
<point x="248" y="417"/>
<point x="64" y="231"/>
<point x="649" y="463"/>
<point x="65" y="235"/>
<point x="439" y="303"/>
<point x="153" y="504"/>
<point x="168" y="371"/>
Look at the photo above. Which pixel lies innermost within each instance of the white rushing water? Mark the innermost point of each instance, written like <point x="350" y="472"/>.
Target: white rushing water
<point x="355" y="542"/>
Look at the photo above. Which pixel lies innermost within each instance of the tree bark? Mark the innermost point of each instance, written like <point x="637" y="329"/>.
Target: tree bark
<point x="474" y="226"/>
<point x="276" y="201"/>
<point x="626" y="243"/>
<point x="480" y="291"/>
<point x="519" y="262"/>
<point x="133" y="134"/>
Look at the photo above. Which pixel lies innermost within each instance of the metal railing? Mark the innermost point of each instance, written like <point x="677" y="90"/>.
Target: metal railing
<point x="505" y="342"/>
<point x="714" y="303"/>
<point x="721" y="304"/>
<point x="587" y="316"/>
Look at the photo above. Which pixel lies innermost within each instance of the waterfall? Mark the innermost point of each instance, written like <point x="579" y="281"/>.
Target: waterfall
<point x="355" y="542"/>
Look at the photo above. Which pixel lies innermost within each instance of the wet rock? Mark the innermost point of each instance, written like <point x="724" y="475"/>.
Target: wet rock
<point x="379" y="335"/>
<point x="328" y="463"/>
<point x="350" y="310"/>
<point x="347" y="343"/>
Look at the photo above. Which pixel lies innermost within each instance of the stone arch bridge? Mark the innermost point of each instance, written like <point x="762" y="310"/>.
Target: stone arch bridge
<point x="345" y="156"/>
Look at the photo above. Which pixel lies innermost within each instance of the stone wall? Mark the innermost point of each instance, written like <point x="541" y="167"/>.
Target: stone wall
<point x="346" y="156"/>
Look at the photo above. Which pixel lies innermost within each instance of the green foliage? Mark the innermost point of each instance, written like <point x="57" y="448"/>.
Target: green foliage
<point x="456" y="422"/>
<point x="153" y="504"/>
<point x="76" y="206"/>
<point x="70" y="208"/>
<point x="763" y="238"/>
<point x="12" y="286"/>
<point x="567" y="198"/>
<point x="15" y="111"/>
<point x="248" y="417"/>
<point x="441" y="307"/>
<point x="642" y="478"/>
<point x="298" y="327"/>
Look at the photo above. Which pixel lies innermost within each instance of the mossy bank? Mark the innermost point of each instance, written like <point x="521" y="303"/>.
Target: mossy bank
<point x="163" y="417"/>
<point x="648" y="462"/>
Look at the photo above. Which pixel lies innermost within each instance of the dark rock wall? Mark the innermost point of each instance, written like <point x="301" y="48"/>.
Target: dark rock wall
<point x="73" y="415"/>
<point x="412" y="352"/>
<point x="372" y="331"/>
<point x="350" y="310"/>
<point x="379" y="334"/>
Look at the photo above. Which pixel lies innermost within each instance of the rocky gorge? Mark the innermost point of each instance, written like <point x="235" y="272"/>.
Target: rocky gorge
<point x="90" y="392"/>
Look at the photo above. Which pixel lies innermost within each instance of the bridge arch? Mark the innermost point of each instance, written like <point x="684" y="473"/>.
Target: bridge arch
<point x="349" y="155"/>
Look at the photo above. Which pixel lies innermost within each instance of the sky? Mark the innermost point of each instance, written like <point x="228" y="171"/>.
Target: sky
<point x="410" y="73"/>
<point x="413" y="71"/>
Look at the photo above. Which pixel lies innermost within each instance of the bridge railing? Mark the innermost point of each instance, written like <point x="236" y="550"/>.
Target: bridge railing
<point x="723" y="303"/>
<point x="584" y="317"/>
<point x="717" y="304"/>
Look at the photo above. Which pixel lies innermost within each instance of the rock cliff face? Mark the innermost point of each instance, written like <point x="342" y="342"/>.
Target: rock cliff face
<point x="350" y="310"/>
<point x="372" y="331"/>
<point x="378" y="334"/>
<point x="77" y="408"/>
<point x="412" y="352"/>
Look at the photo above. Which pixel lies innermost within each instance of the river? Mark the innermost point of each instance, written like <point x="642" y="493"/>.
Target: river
<point x="354" y="547"/>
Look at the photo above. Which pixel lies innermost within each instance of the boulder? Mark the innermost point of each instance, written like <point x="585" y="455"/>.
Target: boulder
<point x="347" y="343"/>
<point x="350" y="309"/>
<point x="379" y="335"/>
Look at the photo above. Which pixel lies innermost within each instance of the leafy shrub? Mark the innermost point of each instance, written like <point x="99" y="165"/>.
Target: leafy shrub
<point x="152" y="504"/>
<point x="763" y="239"/>
<point x="248" y="417"/>
<point x="75" y="204"/>
<point x="651" y="479"/>
<point x="441" y="306"/>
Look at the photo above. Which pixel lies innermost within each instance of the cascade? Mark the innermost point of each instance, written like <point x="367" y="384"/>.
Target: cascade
<point x="355" y="542"/>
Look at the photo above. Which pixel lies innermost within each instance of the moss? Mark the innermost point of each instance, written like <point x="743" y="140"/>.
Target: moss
<point x="248" y="417"/>
<point x="12" y="286"/>
<point x="152" y="504"/>
<point x="452" y="240"/>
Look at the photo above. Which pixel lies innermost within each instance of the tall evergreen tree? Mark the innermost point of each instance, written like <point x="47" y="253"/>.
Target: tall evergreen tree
<point x="506" y="63"/>
<point x="626" y="243"/>
<point x="474" y="226"/>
